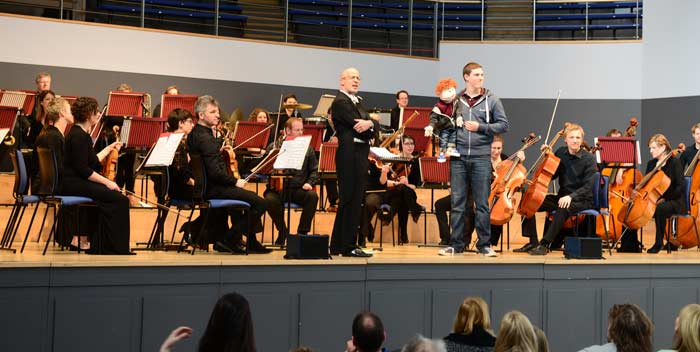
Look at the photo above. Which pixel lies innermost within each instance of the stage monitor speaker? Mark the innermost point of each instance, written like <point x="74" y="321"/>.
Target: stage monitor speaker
<point x="307" y="247"/>
<point x="583" y="248"/>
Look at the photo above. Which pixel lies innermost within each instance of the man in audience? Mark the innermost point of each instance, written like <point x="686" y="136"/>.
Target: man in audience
<point x="421" y="344"/>
<point x="368" y="334"/>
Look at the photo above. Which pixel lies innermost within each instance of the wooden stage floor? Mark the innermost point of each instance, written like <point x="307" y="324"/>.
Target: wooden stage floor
<point x="406" y="254"/>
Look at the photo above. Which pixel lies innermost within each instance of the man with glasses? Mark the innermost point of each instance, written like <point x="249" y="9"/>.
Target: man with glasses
<point x="299" y="188"/>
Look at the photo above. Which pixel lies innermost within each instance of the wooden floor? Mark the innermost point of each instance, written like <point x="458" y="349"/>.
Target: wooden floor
<point x="142" y="221"/>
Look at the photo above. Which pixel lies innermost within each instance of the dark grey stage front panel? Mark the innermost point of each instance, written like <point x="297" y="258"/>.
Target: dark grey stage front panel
<point x="134" y="308"/>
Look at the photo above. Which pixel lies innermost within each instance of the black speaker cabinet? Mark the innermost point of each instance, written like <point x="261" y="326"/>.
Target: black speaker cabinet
<point x="307" y="247"/>
<point x="583" y="248"/>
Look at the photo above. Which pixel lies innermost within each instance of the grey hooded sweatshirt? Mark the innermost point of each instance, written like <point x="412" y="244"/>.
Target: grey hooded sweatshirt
<point x="489" y="113"/>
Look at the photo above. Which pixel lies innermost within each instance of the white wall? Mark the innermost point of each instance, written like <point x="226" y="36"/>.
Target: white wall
<point x="41" y="42"/>
<point x="537" y="71"/>
<point x="671" y="51"/>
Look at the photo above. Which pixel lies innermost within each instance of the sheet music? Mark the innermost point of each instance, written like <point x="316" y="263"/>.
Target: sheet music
<point x="164" y="150"/>
<point x="382" y="153"/>
<point x="3" y="133"/>
<point x="124" y="132"/>
<point x="294" y="150"/>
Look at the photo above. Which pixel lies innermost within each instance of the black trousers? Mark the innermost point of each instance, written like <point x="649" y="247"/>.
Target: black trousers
<point x="553" y="227"/>
<point x="370" y="207"/>
<point x="332" y="191"/>
<point x="402" y="200"/>
<point x="125" y="170"/>
<point x="307" y="199"/>
<point x="112" y="215"/>
<point x="218" y="219"/>
<point x="351" y="162"/>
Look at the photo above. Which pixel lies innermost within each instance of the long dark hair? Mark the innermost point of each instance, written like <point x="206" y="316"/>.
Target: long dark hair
<point x="630" y="328"/>
<point x="230" y="327"/>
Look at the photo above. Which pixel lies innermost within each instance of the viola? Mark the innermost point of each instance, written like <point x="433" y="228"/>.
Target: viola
<point x="510" y="175"/>
<point x="640" y="208"/>
<point x="545" y="167"/>
<point x="109" y="164"/>
<point x="685" y="231"/>
<point x="229" y="157"/>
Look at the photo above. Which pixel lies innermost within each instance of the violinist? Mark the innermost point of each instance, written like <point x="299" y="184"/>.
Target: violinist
<point x="181" y="181"/>
<point x="690" y="151"/>
<point x="576" y="175"/>
<point x="81" y="178"/>
<point x="299" y="188"/>
<point x="673" y="200"/>
<point x="247" y="162"/>
<point x="484" y="117"/>
<point x="401" y="192"/>
<point x="375" y="195"/>
<point x="221" y="185"/>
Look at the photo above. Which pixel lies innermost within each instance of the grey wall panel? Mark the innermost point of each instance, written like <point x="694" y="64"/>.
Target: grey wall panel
<point x="274" y="316"/>
<point x="524" y="299"/>
<point x="24" y="311"/>
<point x="392" y="305"/>
<point x="172" y="308"/>
<point x="85" y="320"/>
<point x="572" y="318"/>
<point x="325" y="315"/>
<point x="669" y="298"/>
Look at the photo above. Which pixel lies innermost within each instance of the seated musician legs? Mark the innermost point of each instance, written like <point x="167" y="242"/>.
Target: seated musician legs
<point x="369" y="208"/>
<point x="663" y="212"/>
<point x="276" y="210"/>
<point x="529" y="225"/>
<point x="442" y="206"/>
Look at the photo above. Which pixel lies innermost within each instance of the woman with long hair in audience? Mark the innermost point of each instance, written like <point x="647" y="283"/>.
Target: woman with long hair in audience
<point x="471" y="330"/>
<point x="516" y="334"/>
<point x="629" y="330"/>
<point x="81" y="178"/>
<point x="687" y="330"/>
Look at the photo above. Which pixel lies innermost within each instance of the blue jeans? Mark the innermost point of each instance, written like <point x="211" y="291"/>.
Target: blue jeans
<point x="470" y="174"/>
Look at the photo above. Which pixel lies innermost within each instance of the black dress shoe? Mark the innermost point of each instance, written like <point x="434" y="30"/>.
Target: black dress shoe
<point x="524" y="249"/>
<point x="539" y="250"/>
<point x="415" y="213"/>
<point x="673" y="247"/>
<point x="357" y="253"/>
<point x="654" y="249"/>
<point x="257" y="248"/>
<point x="280" y="241"/>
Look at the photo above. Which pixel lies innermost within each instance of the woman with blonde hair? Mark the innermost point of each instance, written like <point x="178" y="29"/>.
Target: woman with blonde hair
<point x="687" y="332"/>
<point x="471" y="330"/>
<point x="516" y="334"/>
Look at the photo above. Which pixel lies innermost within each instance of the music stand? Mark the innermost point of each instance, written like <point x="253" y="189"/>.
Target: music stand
<point x="619" y="150"/>
<point x="171" y="102"/>
<point x="125" y="104"/>
<point x="16" y="100"/>
<point x="8" y="117"/>
<point x="141" y="132"/>
<point x="248" y="134"/>
<point x="316" y="133"/>
<point x="420" y="121"/>
<point x="326" y="165"/>
<point x="324" y="103"/>
<point x="435" y="175"/>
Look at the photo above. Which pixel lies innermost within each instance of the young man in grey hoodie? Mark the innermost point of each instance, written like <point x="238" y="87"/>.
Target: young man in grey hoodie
<point x="484" y="117"/>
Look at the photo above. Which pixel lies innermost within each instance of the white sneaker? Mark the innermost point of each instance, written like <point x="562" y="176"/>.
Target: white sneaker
<point x="488" y="252"/>
<point x="447" y="251"/>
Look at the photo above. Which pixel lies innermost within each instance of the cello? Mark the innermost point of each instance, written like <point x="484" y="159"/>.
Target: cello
<point x="510" y="175"/>
<point x="630" y="177"/>
<point x="109" y="164"/>
<point x="685" y="227"/>
<point x="640" y="208"/>
<point x="545" y="167"/>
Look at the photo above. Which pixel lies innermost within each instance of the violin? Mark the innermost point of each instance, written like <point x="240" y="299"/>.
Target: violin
<point x="640" y="208"/>
<point x="510" y="175"/>
<point x="109" y="164"/>
<point x="545" y="167"/>
<point x="685" y="229"/>
<point x="229" y="157"/>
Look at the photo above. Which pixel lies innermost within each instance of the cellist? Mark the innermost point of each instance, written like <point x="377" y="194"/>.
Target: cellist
<point x="673" y="200"/>
<point x="692" y="149"/>
<point x="576" y="175"/>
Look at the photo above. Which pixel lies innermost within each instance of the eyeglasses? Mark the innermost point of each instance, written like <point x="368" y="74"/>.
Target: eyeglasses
<point x="408" y="143"/>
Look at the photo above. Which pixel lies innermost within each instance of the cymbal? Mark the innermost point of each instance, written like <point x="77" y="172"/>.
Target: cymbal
<point x="298" y="106"/>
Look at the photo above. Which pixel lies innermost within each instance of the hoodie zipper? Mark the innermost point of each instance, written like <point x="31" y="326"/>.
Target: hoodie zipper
<point x="469" y="133"/>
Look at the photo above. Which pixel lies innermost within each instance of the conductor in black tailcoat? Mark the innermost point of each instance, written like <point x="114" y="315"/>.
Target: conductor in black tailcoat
<point x="354" y="129"/>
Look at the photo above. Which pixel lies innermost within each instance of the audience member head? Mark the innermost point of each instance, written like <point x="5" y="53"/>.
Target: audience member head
<point x="687" y="335"/>
<point x="207" y="110"/>
<point x="43" y="81"/>
<point x="629" y="328"/>
<point x="56" y="109"/>
<point x="84" y="109"/>
<point x="171" y="90"/>
<point x="402" y="98"/>
<point x="259" y="115"/>
<point x="542" y="343"/>
<point x="180" y="119"/>
<point x="230" y="326"/>
<point x="516" y="334"/>
<point x="421" y="344"/>
<point x="367" y="332"/>
<point x="43" y="98"/>
<point x="473" y="314"/>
